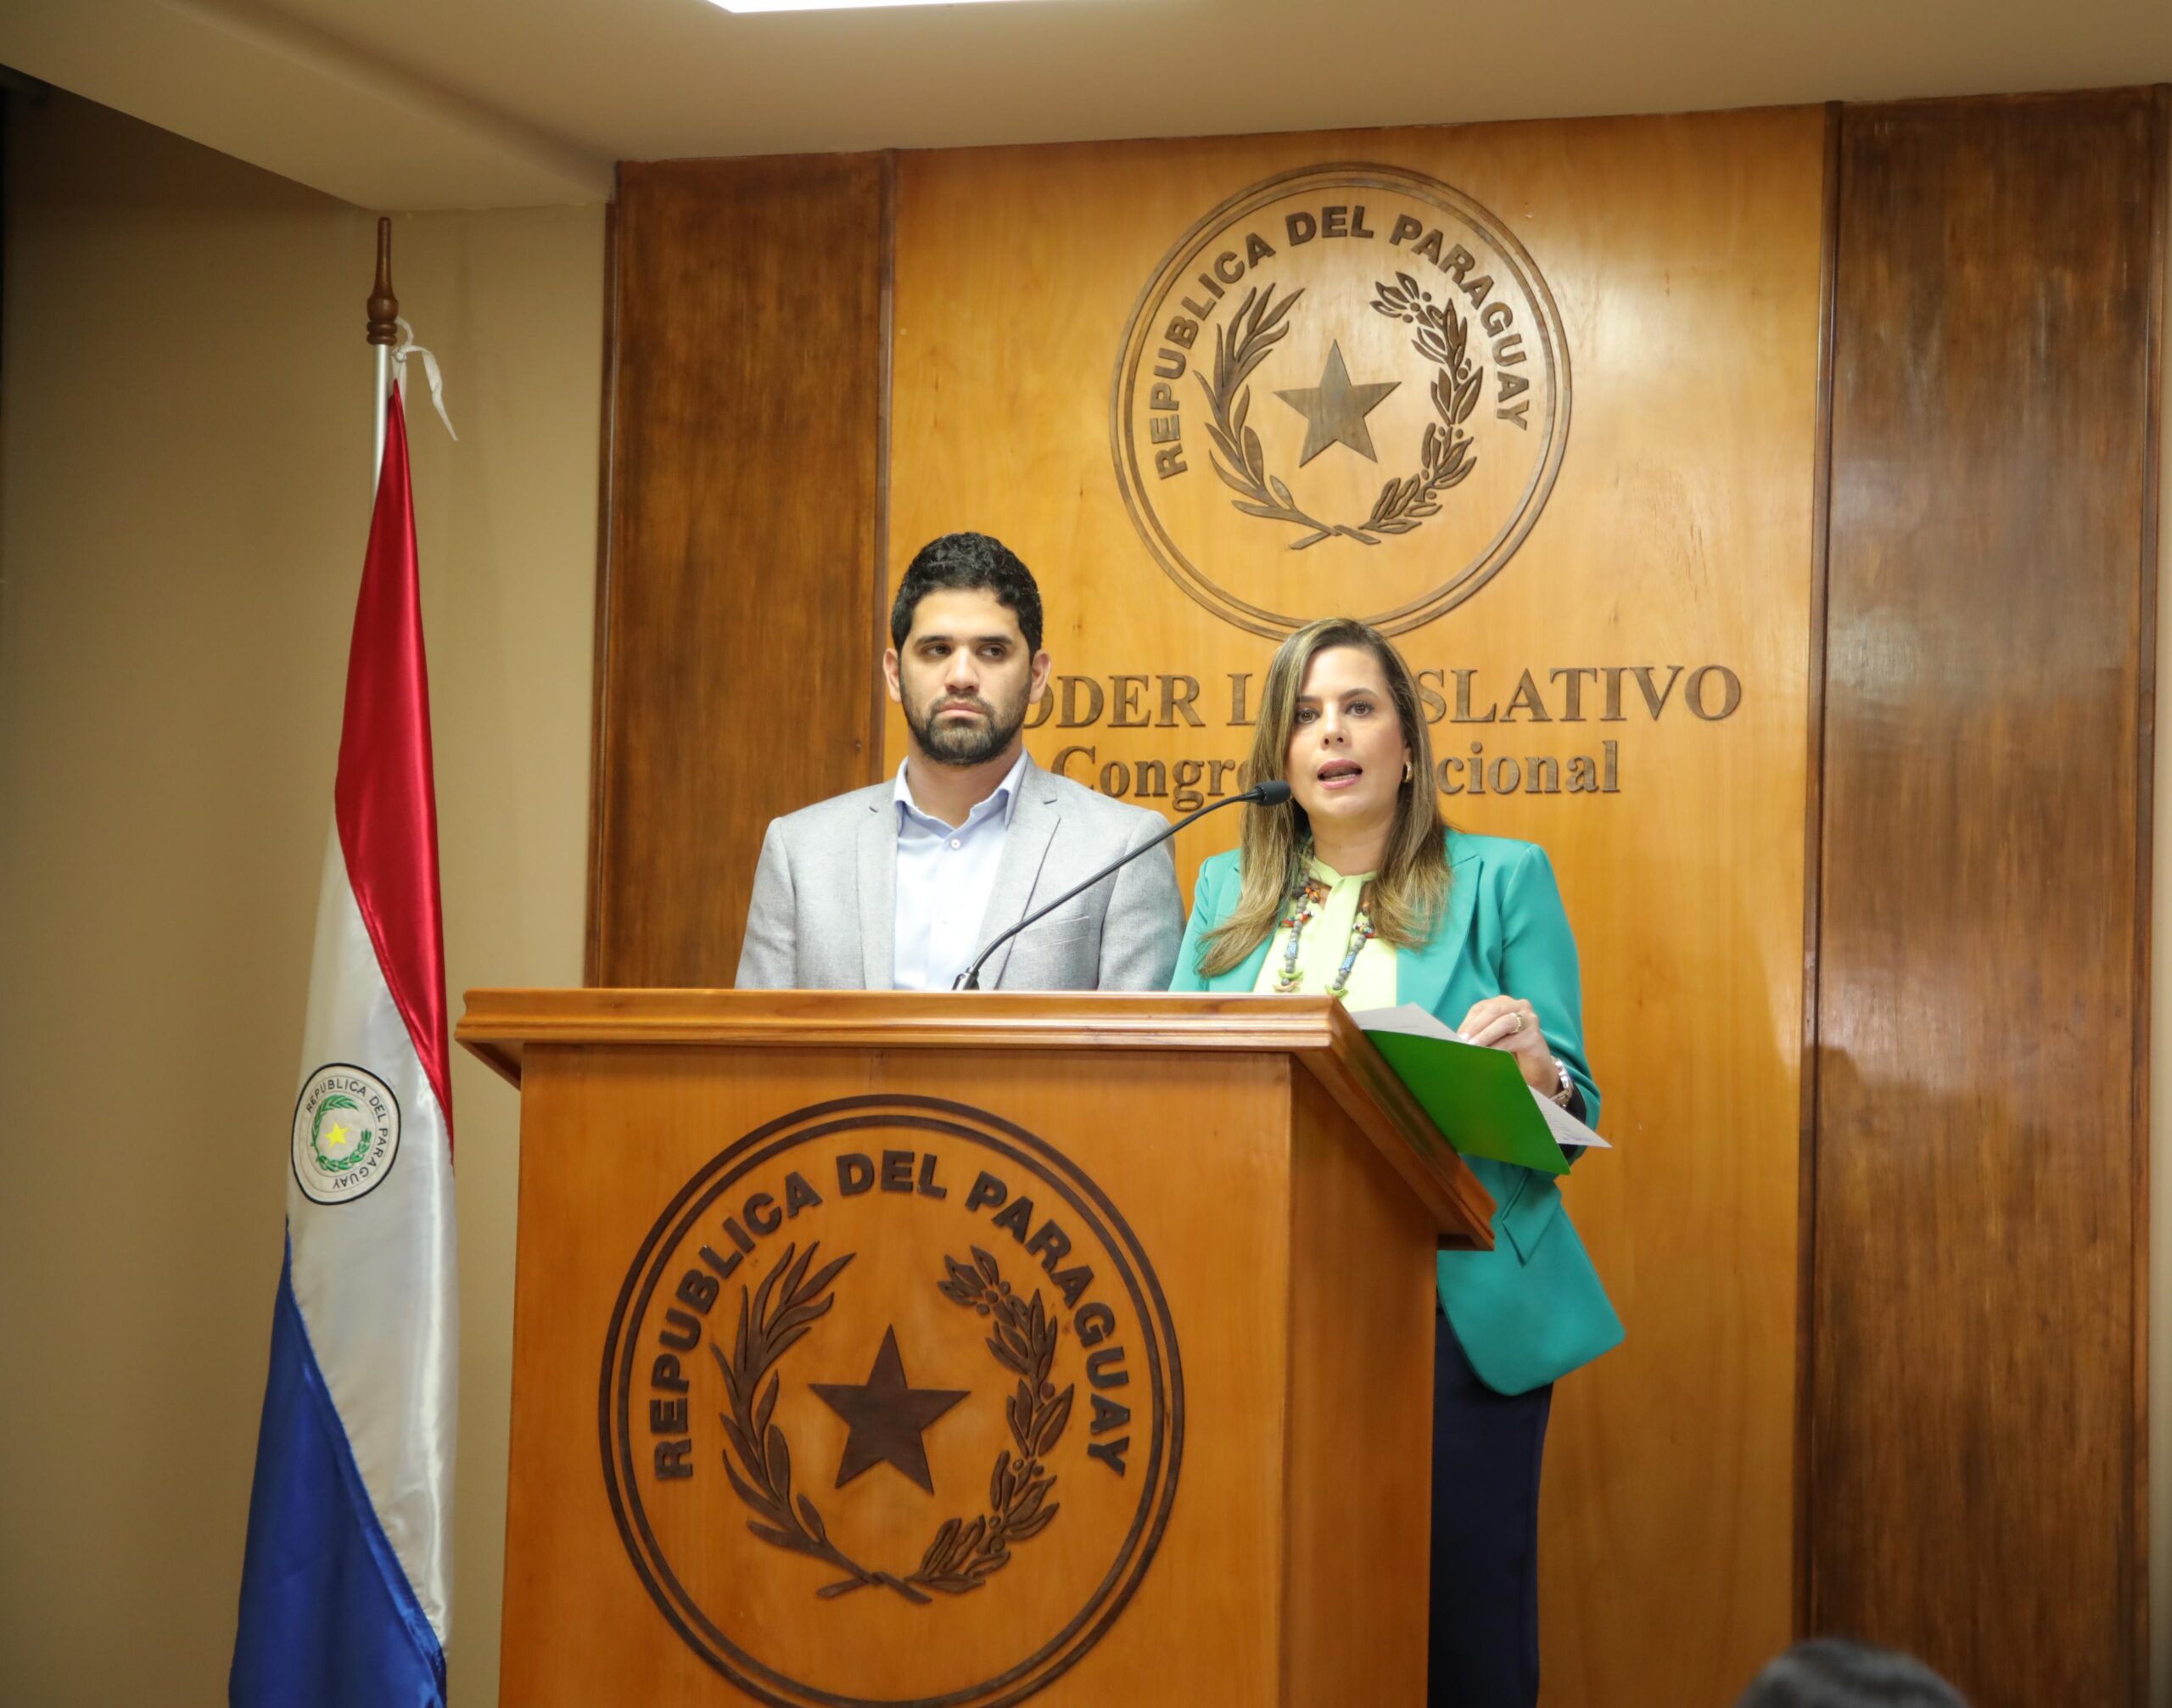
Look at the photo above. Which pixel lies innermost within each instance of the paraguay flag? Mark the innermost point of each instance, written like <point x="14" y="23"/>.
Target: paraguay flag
<point x="344" y="1591"/>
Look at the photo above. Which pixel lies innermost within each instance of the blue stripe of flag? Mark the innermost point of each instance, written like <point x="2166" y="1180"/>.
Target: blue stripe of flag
<point x="328" y="1617"/>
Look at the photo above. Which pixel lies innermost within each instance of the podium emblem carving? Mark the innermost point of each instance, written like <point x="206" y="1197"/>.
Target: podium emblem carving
<point x="1345" y="388"/>
<point x="884" y="1344"/>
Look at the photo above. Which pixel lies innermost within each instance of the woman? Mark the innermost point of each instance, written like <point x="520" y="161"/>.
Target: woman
<point x="1356" y="889"/>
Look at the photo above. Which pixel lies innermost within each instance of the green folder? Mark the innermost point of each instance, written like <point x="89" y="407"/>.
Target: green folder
<point x="1476" y="1097"/>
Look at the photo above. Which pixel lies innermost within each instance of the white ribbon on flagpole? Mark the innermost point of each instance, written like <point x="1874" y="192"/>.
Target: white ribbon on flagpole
<point x="407" y="347"/>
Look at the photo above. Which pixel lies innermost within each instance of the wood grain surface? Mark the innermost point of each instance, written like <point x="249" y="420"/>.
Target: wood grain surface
<point x="1684" y="257"/>
<point x="1358" y="1327"/>
<point x="1240" y="1183"/>
<point x="500" y="1026"/>
<point x="741" y="570"/>
<point x="1975" y="1487"/>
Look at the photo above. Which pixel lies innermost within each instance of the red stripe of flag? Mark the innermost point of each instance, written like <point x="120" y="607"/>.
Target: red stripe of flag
<point x="385" y="799"/>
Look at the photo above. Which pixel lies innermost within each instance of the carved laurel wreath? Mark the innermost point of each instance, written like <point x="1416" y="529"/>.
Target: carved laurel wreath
<point x="1445" y="453"/>
<point x="758" y="1458"/>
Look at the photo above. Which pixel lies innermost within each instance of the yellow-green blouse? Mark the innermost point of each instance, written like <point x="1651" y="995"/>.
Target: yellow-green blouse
<point x="1326" y="940"/>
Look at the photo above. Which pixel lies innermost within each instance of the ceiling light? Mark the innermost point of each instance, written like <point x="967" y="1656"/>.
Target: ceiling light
<point x="839" y="5"/>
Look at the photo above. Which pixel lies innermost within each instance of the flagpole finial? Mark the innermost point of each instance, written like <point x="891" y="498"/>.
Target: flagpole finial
<point x="383" y="307"/>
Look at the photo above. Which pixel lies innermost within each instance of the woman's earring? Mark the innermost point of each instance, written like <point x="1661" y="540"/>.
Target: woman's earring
<point x="1406" y="770"/>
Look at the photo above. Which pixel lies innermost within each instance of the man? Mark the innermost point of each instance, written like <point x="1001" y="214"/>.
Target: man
<point x="899" y="885"/>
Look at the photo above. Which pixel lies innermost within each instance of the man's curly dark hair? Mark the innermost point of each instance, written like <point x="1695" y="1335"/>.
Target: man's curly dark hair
<point x="968" y="563"/>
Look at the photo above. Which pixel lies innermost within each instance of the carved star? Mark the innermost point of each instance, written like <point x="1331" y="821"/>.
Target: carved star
<point x="886" y="1417"/>
<point x="1335" y="410"/>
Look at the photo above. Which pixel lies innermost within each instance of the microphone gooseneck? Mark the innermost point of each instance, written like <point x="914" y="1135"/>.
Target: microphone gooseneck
<point x="1272" y="793"/>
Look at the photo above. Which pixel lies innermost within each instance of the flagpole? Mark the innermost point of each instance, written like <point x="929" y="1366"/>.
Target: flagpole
<point x="383" y="310"/>
<point x="350" y="1509"/>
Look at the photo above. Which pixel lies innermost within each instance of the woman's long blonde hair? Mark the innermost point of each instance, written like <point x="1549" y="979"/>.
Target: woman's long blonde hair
<point x="1413" y="876"/>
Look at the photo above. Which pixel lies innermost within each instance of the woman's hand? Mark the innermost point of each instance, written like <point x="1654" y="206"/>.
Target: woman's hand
<point x="1510" y="1023"/>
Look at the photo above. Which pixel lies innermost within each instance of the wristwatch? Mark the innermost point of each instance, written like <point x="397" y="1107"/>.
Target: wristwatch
<point x="1565" y="1089"/>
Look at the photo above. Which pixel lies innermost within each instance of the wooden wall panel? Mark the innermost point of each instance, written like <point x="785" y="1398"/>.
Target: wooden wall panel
<point x="1969" y="1479"/>
<point x="1684" y="255"/>
<point x="1975" y="1487"/>
<point x="749" y="346"/>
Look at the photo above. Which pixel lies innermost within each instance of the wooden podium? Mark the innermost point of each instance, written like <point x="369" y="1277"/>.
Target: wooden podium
<point x="880" y="1348"/>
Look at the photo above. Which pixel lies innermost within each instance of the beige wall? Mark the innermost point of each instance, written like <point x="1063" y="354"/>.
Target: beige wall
<point x="184" y="481"/>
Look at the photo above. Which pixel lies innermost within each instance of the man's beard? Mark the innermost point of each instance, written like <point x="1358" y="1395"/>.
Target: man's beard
<point x="964" y="744"/>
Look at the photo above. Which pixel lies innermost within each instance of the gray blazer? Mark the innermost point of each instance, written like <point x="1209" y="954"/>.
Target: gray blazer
<point x="824" y="895"/>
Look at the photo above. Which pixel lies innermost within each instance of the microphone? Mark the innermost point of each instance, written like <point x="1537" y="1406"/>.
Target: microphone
<point x="1267" y="794"/>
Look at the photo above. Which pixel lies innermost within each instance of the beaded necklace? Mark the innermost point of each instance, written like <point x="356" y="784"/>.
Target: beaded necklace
<point x="1309" y="894"/>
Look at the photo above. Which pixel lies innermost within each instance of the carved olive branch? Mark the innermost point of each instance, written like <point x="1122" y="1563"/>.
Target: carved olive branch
<point x="772" y="1318"/>
<point x="1023" y="1338"/>
<point x="1446" y="455"/>
<point x="1259" y="324"/>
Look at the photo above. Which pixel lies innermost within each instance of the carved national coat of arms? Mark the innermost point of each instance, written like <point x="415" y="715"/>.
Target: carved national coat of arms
<point x="901" y="1346"/>
<point x="1346" y="391"/>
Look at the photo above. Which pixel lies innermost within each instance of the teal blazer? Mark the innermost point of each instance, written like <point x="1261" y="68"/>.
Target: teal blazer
<point x="1532" y="1308"/>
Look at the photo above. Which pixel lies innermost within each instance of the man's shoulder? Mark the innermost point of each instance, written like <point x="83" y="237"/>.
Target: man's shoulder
<point x="829" y="817"/>
<point x="1081" y="805"/>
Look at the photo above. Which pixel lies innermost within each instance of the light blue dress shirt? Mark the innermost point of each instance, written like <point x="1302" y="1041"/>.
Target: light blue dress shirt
<point x="944" y="877"/>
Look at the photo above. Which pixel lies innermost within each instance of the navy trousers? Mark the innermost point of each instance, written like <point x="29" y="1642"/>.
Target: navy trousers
<point x="1483" y="1651"/>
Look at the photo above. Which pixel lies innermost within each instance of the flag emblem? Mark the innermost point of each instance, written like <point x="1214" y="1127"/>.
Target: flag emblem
<point x="346" y="1134"/>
